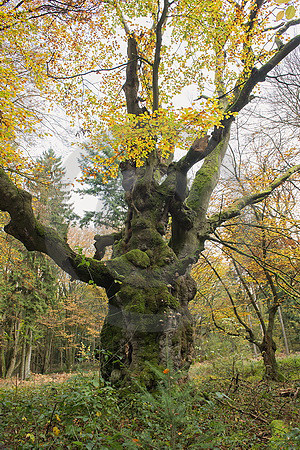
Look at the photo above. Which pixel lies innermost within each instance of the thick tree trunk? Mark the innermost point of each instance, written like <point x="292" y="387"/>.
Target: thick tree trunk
<point x="148" y="327"/>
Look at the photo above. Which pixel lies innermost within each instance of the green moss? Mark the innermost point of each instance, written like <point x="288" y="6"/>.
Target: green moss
<point x="146" y="238"/>
<point x="112" y="338"/>
<point x="138" y="258"/>
<point x="119" y="248"/>
<point x="148" y="354"/>
<point x="163" y="255"/>
<point x="127" y="293"/>
<point x="204" y="177"/>
<point x="147" y="301"/>
<point x="149" y="253"/>
<point x="140" y="223"/>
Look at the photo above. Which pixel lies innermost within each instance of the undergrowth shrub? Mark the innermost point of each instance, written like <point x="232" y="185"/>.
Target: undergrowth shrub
<point x="216" y="411"/>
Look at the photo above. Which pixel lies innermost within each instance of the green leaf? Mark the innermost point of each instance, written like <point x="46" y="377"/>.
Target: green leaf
<point x="290" y="12"/>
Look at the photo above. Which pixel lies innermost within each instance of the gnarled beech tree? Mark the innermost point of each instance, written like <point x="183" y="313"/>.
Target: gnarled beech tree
<point x="147" y="279"/>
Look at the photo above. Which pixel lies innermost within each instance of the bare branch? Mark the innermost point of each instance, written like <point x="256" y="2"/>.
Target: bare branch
<point x="249" y="294"/>
<point x="234" y="307"/>
<point x="283" y="28"/>
<point x="97" y="71"/>
<point x="238" y="205"/>
<point x="256" y="76"/>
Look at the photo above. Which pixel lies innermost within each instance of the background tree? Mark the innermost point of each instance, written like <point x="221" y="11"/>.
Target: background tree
<point x="52" y="193"/>
<point x="28" y="286"/>
<point x="222" y="45"/>
<point x="263" y="245"/>
<point x="110" y="194"/>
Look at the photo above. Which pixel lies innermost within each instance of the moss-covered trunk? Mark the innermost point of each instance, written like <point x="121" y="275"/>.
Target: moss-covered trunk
<point x="148" y="326"/>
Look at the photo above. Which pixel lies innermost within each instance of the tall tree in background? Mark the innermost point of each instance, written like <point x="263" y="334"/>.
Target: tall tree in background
<point x="112" y="210"/>
<point x="222" y="45"/>
<point x="29" y="282"/>
<point x="52" y="193"/>
<point x="28" y="287"/>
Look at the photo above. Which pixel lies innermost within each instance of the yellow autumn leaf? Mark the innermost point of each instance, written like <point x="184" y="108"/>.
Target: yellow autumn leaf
<point x="30" y="436"/>
<point x="279" y="2"/>
<point x="280" y="15"/>
<point x="56" y="431"/>
<point x="290" y="12"/>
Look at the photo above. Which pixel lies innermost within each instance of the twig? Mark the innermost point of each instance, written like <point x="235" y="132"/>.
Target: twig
<point x="254" y="416"/>
<point x="51" y="418"/>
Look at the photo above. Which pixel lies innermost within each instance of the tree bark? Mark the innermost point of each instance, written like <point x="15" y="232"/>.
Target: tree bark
<point x="286" y="344"/>
<point x="13" y="360"/>
<point x="268" y="349"/>
<point x="148" y="327"/>
<point x="28" y="355"/>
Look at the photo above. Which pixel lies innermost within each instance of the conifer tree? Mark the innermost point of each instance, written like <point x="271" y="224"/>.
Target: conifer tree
<point x="110" y="193"/>
<point x="52" y="193"/>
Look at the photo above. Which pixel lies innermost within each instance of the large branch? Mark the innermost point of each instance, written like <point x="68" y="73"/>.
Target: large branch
<point x="197" y="152"/>
<point x="131" y="85"/>
<point x="238" y="205"/>
<point x="159" y="33"/>
<point x="37" y="237"/>
<point x="259" y="75"/>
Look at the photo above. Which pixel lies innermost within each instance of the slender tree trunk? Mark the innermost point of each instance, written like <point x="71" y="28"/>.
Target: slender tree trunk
<point x="251" y="327"/>
<point x="28" y="355"/>
<point x="13" y="361"/>
<point x="47" y="354"/>
<point x="23" y="357"/>
<point x="286" y="345"/>
<point x="3" y="361"/>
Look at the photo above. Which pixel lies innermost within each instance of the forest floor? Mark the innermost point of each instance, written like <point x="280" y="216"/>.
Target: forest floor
<point x="37" y="378"/>
<point x="225" y="405"/>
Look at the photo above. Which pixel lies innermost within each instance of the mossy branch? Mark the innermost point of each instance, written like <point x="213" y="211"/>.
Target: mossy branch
<point x="37" y="237"/>
<point x="238" y="205"/>
<point x="207" y="177"/>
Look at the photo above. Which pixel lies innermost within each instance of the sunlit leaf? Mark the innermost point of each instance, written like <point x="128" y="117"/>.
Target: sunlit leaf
<point x="290" y="12"/>
<point x="280" y="15"/>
